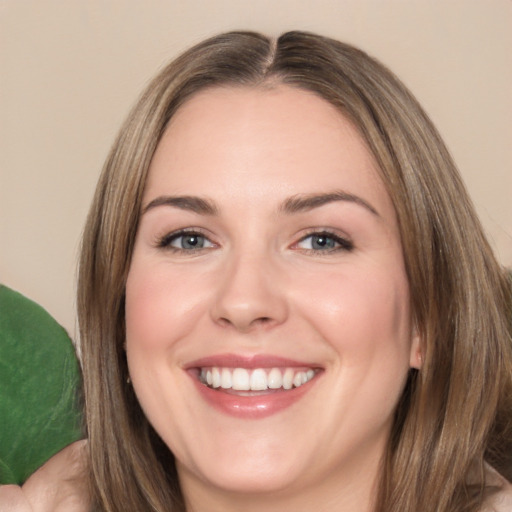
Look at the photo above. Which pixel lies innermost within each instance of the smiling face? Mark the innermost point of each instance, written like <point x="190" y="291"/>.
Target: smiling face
<point x="268" y="326"/>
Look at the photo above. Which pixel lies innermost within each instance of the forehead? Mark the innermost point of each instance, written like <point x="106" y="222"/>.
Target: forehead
<point x="227" y="139"/>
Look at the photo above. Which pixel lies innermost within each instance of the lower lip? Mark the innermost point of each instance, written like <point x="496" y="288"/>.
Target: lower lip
<point x="255" y="406"/>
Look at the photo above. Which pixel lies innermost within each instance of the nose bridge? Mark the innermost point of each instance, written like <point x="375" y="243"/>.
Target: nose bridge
<point x="249" y="292"/>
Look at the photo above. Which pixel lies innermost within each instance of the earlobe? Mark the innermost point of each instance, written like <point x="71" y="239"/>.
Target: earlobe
<point x="416" y="358"/>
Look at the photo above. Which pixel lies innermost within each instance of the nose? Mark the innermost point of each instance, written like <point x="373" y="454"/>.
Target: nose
<point x="251" y="294"/>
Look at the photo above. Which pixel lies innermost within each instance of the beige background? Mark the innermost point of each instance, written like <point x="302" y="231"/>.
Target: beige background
<point x="70" y="69"/>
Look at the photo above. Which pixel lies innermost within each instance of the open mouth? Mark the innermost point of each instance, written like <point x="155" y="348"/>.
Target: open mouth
<point x="252" y="387"/>
<point x="257" y="379"/>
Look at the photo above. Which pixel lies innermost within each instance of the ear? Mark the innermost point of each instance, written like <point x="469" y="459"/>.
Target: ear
<point x="416" y="356"/>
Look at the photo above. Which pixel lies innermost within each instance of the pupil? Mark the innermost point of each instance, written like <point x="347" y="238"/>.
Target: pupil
<point x="191" y="242"/>
<point x="321" y="242"/>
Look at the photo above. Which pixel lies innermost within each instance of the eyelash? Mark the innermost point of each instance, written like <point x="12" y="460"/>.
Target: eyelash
<point x="165" y="241"/>
<point x="342" y="244"/>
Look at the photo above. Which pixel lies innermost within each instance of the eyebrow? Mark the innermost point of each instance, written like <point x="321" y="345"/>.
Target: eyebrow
<point x="190" y="203"/>
<point x="306" y="202"/>
<point x="295" y="204"/>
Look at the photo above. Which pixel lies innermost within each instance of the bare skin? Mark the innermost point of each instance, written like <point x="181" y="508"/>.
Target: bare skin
<point x="57" y="486"/>
<point x="500" y="501"/>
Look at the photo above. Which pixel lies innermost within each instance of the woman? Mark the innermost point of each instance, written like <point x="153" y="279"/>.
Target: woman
<point x="285" y="298"/>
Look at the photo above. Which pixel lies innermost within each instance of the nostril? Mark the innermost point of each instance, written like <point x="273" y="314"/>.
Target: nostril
<point x="224" y="321"/>
<point x="262" y="322"/>
<point x="245" y="325"/>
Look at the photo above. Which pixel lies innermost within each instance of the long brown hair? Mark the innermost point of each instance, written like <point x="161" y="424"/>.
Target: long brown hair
<point x="454" y="413"/>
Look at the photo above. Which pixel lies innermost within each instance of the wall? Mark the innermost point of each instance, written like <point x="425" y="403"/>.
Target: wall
<point x="70" y="69"/>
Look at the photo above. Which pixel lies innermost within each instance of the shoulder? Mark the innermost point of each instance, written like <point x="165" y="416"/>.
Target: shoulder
<point x="12" y="499"/>
<point x="57" y="486"/>
<point x="501" y="500"/>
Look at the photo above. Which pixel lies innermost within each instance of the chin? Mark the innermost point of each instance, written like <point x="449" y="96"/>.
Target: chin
<point x="250" y="480"/>
<point x="261" y="472"/>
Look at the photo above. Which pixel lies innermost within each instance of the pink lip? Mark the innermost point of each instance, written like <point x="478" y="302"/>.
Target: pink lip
<point x="259" y="405"/>
<point x="249" y="362"/>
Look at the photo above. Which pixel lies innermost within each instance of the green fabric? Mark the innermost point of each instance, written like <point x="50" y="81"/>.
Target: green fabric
<point x="39" y="382"/>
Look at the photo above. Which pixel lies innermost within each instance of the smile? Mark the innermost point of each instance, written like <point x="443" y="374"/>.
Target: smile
<point x="252" y="387"/>
<point x="258" y="379"/>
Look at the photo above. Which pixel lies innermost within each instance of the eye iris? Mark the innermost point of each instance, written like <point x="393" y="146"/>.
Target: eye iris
<point x="323" y="242"/>
<point x="192" y="242"/>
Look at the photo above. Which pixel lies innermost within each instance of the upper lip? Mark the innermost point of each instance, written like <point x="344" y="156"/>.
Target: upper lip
<point x="249" y="362"/>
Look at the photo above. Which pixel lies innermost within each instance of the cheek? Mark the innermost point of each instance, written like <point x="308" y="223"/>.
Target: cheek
<point x="144" y="310"/>
<point x="155" y="325"/>
<point x="361" y="314"/>
<point x="159" y="307"/>
<point x="364" y="318"/>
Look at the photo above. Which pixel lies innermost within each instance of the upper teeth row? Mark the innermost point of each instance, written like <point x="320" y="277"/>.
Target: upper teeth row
<point x="260" y="379"/>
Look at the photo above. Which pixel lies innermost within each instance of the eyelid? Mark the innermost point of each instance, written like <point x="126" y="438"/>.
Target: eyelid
<point x="344" y="242"/>
<point x="164" y="241"/>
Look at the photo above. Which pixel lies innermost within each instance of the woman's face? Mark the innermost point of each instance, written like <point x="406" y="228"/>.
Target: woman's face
<point x="268" y="324"/>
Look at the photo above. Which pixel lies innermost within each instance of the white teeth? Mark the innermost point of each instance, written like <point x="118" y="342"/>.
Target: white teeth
<point x="259" y="379"/>
<point x="226" y="381"/>
<point x="240" y="379"/>
<point x="297" y="380"/>
<point x="275" y="379"/>
<point x="288" y="379"/>
<point x="215" y="377"/>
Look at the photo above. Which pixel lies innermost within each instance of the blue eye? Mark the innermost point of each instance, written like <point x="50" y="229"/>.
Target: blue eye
<point x="185" y="241"/>
<point x="324" y="242"/>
